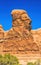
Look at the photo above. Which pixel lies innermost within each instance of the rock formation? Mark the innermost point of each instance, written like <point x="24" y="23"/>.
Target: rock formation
<point x="20" y="39"/>
<point x="37" y="37"/>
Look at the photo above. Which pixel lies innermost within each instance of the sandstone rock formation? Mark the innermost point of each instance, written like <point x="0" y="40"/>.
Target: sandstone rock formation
<point x="20" y="39"/>
<point x="37" y="37"/>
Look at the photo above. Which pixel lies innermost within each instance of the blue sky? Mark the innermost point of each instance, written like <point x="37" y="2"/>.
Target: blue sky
<point x="33" y="8"/>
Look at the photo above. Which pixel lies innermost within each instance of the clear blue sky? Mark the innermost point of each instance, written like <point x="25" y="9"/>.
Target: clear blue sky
<point x="33" y="7"/>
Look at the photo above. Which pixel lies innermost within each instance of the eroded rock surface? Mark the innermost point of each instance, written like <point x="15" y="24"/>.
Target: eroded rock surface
<point x="20" y="39"/>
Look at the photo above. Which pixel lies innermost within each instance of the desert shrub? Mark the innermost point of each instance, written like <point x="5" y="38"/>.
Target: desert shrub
<point x="8" y="59"/>
<point x="37" y="62"/>
<point x="30" y="63"/>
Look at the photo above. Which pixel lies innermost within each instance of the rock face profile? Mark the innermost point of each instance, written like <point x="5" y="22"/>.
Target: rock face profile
<point x="20" y="40"/>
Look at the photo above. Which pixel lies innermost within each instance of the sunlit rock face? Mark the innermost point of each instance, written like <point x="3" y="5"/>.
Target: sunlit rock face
<point x="20" y="38"/>
<point x="1" y="32"/>
<point x="21" y="19"/>
<point x="37" y="37"/>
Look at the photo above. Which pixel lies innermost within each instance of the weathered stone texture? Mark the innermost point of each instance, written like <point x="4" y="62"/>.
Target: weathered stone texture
<point x="19" y="39"/>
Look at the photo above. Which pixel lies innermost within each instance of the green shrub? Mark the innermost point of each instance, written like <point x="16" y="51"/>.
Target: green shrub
<point x="37" y="62"/>
<point x="30" y="63"/>
<point x="8" y="59"/>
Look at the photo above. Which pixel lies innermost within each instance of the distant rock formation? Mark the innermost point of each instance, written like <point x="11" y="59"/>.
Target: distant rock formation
<point x="20" y="39"/>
